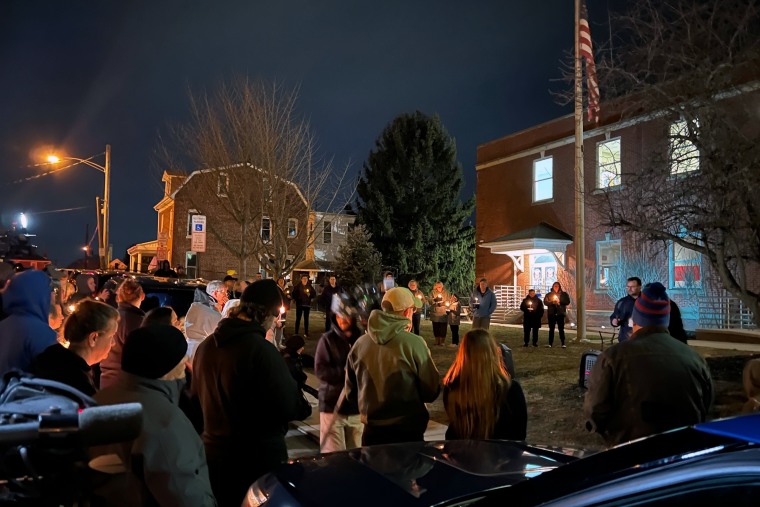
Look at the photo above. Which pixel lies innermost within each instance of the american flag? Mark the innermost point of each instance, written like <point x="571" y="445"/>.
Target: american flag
<point x="587" y="52"/>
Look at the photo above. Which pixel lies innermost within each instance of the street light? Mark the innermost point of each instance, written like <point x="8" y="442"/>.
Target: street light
<point x="104" y="211"/>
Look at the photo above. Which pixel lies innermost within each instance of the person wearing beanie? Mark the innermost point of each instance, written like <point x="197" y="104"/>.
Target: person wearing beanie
<point x="166" y="464"/>
<point x="649" y="383"/>
<point x="246" y="393"/>
<point x="390" y="375"/>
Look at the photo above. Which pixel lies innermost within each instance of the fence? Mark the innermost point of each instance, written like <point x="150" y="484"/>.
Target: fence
<point x="724" y="312"/>
<point x="508" y="296"/>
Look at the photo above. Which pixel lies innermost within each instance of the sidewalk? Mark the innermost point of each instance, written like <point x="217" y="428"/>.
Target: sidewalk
<point x="310" y="427"/>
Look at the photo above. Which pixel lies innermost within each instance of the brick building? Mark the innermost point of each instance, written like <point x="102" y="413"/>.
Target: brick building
<point x="280" y="230"/>
<point x="525" y="202"/>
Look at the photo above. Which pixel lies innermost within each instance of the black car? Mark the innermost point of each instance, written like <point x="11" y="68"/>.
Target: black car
<point x="715" y="463"/>
<point x="175" y="292"/>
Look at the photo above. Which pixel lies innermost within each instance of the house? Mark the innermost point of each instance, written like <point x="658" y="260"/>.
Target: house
<point x="329" y="232"/>
<point x="275" y="234"/>
<point x="525" y="203"/>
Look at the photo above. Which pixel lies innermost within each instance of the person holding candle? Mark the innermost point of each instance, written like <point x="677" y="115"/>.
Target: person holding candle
<point x="455" y="317"/>
<point x="533" y="309"/>
<point x="440" y="301"/>
<point x="556" y="302"/>
<point x="417" y="311"/>
<point x="302" y="294"/>
<point x="483" y="303"/>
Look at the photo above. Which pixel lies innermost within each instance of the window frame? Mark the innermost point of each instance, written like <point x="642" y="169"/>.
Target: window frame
<point x="223" y="180"/>
<point x="609" y="266"/>
<point x="617" y="180"/>
<point x="269" y="229"/>
<point x="681" y="148"/>
<point x="535" y="182"/>
<point x="188" y="267"/>
<point x="673" y="263"/>
<point x="293" y="221"/>
<point x="190" y="214"/>
<point x="327" y="232"/>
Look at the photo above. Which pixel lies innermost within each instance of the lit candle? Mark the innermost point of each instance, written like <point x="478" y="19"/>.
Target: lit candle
<point x="419" y="296"/>
<point x="282" y="309"/>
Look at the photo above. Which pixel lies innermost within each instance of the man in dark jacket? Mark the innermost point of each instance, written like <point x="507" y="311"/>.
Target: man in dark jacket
<point x="650" y="383"/>
<point x="533" y="309"/>
<point x="246" y="393"/>
<point x="621" y="315"/>
<point x="302" y="294"/>
<point x="326" y="298"/>
<point x="337" y="432"/>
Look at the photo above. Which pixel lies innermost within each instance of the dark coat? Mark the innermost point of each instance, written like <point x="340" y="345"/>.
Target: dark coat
<point x="66" y="366"/>
<point x="645" y="385"/>
<point x="559" y="307"/>
<point x="248" y="397"/>
<point x="325" y="299"/>
<point x="512" y="423"/>
<point x="675" y="328"/>
<point x="532" y="313"/>
<point x="303" y="294"/>
<point x="330" y="366"/>
<point x="622" y="312"/>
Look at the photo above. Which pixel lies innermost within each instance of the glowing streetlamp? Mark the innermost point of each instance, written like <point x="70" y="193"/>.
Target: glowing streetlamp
<point x="104" y="210"/>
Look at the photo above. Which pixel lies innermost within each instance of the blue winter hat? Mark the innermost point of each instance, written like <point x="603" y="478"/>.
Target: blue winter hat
<point x="652" y="307"/>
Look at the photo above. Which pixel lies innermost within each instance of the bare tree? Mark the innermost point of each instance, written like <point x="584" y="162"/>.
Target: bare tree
<point x="261" y="174"/>
<point x="640" y="261"/>
<point x="690" y="69"/>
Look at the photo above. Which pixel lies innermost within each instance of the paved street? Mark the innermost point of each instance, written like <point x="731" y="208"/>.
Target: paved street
<point x="303" y="436"/>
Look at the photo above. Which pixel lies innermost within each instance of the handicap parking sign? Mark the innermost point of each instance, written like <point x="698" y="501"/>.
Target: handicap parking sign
<point x="198" y="227"/>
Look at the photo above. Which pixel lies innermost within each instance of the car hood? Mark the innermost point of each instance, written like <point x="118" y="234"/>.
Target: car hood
<point x="419" y="473"/>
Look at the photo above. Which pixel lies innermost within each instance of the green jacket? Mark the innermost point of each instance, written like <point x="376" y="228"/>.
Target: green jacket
<point x="390" y="374"/>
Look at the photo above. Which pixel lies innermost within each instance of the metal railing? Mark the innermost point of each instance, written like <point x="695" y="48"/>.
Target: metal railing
<point x="508" y="296"/>
<point x="724" y="312"/>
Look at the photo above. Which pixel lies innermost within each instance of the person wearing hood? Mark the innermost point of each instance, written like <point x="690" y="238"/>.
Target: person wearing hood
<point x="337" y="432"/>
<point x="204" y="314"/>
<point x="390" y="374"/>
<point x="166" y="464"/>
<point x="25" y="333"/>
<point x="246" y="393"/>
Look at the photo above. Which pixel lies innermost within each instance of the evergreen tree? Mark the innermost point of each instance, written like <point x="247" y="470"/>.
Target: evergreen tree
<point x="358" y="261"/>
<point x="409" y="202"/>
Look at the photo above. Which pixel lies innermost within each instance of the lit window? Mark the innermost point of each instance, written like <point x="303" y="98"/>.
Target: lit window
<point x="684" y="156"/>
<point x="685" y="267"/>
<point x="223" y="185"/>
<point x="543" y="179"/>
<point x="327" y="232"/>
<point x="266" y="229"/>
<point x="608" y="256"/>
<point x="191" y="264"/>
<point x="608" y="163"/>
<point x="292" y="227"/>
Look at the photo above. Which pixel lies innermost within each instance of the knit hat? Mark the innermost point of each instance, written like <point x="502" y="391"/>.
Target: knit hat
<point x="153" y="351"/>
<point x="265" y="293"/>
<point x="652" y="307"/>
<point x="294" y="344"/>
<point x="401" y="298"/>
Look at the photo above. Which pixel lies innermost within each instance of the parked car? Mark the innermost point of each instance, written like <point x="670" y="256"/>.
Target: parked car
<point x="716" y="463"/>
<point x="159" y="291"/>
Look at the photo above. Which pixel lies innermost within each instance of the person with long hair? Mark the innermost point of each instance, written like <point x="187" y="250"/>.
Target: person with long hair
<point x="88" y="332"/>
<point x="481" y="400"/>
<point x="129" y="295"/>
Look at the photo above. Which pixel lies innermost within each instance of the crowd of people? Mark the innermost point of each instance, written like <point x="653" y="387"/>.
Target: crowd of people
<point x="219" y="387"/>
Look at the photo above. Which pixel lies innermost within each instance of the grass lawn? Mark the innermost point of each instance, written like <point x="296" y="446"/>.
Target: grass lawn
<point x="549" y="378"/>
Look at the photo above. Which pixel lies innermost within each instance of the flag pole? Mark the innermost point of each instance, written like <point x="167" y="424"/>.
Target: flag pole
<point x="580" y="228"/>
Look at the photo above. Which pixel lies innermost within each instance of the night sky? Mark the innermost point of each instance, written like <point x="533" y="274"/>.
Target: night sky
<point x="78" y="75"/>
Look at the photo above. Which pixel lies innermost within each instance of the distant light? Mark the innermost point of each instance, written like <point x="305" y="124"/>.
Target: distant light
<point x="84" y="248"/>
<point x="53" y="159"/>
<point x="22" y="220"/>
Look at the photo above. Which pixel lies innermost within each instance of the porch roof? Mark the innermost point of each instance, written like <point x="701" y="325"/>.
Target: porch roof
<point x="541" y="237"/>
